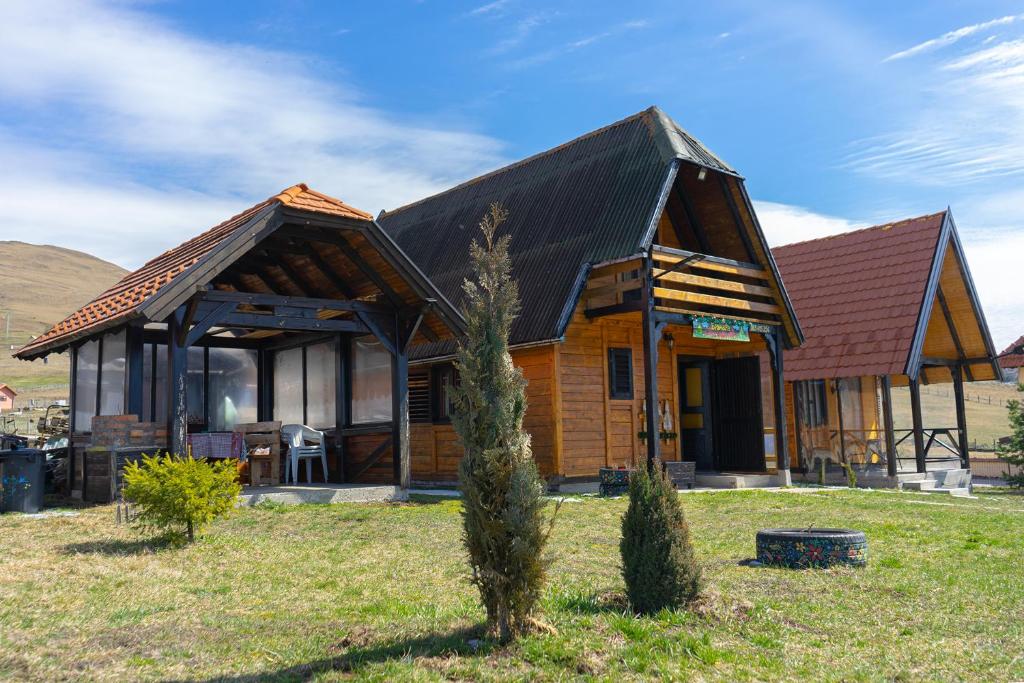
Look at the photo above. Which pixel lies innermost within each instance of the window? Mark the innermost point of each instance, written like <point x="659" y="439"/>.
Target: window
<point x="154" y="392"/>
<point x="232" y="385"/>
<point x="445" y="379"/>
<point x="112" y="373"/>
<point x="620" y="373"/>
<point x="288" y="386"/>
<point x="849" y="396"/>
<point x="371" y="382"/>
<point x="86" y="375"/>
<point x="321" y="385"/>
<point x="813" y="403"/>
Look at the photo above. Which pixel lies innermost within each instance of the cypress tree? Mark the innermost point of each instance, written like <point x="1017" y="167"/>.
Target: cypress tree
<point x="504" y="525"/>
<point x="658" y="562"/>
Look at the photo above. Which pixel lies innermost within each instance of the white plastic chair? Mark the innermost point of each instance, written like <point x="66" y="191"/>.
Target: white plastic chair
<point x="297" y="436"/>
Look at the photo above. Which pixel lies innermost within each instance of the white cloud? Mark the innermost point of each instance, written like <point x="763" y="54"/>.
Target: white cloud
<point x="952" y="37"/>
<point x="496" y="8"/>
<point x="786" y="224"/>
<point x="970" y="128"/>
<point x="217" y="123"/>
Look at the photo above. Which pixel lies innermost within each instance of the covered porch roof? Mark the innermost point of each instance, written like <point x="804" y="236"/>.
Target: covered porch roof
<point x="298" y="261"/>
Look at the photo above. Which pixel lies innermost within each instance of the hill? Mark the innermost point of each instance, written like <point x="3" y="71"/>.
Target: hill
<point x="41" y="285"/>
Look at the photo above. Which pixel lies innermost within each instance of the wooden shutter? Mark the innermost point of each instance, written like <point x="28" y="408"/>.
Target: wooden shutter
<point x="419" y="395"/>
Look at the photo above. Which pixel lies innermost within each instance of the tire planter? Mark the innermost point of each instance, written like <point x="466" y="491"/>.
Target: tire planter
<point x="802" y="548"/>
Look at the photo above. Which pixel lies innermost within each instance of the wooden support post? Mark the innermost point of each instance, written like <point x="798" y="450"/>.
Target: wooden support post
<point x="400" y="409"/>
<point x="136" y="370"/>
<point x="177" y="371"/>
<point x="341" y="406"/>
<point x="891" y="459"/>
<point x="961" y="415"/>
<point x="775" y="348"/>
<point x="799" y="446"/>
<point x="839" y="410"/>
<point x="651" y="333"/>
<point x="915" y="410"/>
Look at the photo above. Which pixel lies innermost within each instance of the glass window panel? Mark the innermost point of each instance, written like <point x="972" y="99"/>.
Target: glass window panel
<point x="85" y="384"/>
<point x="371" y="381"/>
<point x="112" y="375"/>
<point x="288" y="386"/>
<point x="233" y="378"/>
<point x="321" y="383"/>
<point x="195" y="396"/>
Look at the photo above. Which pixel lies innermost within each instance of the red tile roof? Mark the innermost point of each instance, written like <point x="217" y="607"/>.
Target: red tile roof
<point x="123" y="299"/>
<point x="858" y="296"/>
<point x="1012" y="360"/>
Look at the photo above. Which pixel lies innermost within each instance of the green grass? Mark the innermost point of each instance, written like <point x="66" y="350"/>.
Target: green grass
<point x="381" y="593"/>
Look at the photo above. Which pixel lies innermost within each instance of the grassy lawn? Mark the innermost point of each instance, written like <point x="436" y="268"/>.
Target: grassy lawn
<point x="380" y="592"/>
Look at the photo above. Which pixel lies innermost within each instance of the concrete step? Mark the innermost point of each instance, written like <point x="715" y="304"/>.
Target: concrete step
<point x="920" y="485"/>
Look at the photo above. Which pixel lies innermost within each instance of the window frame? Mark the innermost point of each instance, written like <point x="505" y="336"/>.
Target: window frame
<point x="615" y="353"/>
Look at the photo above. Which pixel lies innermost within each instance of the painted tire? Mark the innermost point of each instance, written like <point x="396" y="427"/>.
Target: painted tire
<point x="802" y="548"/>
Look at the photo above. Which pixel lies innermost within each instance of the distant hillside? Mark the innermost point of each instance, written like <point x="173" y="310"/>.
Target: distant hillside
<point x="39" y="286"/>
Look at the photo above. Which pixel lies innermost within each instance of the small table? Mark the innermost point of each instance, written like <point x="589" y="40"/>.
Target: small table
<point x="263" y="447"/>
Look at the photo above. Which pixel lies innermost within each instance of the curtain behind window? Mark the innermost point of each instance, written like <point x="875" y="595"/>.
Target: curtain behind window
<point x="321" y="383"/>
<point x="112" y="375"/>
<point x="86" y="372"/>
<point x="288" y="386"/>
<point x="371" y="381"/>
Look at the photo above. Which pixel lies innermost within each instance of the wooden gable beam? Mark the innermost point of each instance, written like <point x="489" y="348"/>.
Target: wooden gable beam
<point x="254" y="299"/>
<point x="944" y="306"/>
<point x="691" y="216"/>
<point x="734" y="210"/>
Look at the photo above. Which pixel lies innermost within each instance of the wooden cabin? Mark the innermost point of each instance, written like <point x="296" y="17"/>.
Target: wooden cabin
<point x="297" y="310"/>
<point x="653" y="316"/>
<point x="889" y="306"/>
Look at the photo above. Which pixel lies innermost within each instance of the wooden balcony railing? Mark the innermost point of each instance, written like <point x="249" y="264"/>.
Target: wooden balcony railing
<point x="686" y="283"/>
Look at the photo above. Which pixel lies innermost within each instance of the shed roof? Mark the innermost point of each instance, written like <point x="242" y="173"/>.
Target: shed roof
<point x="1009" y="359"/>
<point x="160" y="278"/>
<point x="8" y="389"/>
<point x="865" y="299"/>
<point x="586" y="201"/>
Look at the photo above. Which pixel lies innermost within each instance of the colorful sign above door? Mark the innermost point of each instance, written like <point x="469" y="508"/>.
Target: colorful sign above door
<point x="722" y="329"/>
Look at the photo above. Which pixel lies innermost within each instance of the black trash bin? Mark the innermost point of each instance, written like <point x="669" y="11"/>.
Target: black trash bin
<point x="22" y="480"/>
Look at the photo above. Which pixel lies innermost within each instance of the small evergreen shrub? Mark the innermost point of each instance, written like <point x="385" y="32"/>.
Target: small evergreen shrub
<point x="178" y="495"/>
<point x="1011" y="451"/>
<point x="658" y="562"/>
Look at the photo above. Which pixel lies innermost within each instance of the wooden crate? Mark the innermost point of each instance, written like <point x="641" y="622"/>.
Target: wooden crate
<point x="265" y="469"/>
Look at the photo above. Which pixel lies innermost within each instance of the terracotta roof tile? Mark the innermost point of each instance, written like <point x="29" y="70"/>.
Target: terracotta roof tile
<point x="1013" y="360"/>
<point x="858" y="296"/>
<point x="121" y="301"/>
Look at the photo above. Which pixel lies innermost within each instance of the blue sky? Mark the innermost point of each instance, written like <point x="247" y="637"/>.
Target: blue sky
<point x="126" y="127"/>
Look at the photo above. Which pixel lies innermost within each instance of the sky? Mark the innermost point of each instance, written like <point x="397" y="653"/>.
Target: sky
<point x="127" y="127"/>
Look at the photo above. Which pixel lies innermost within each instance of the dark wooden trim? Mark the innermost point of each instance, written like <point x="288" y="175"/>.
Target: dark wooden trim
<point x="382" y="327"/>
<point x="340" y="405"/>
<point x="913" y="365"/>
<point x="134" y="360"/>
<point x="972" y="293"/>
<point x="256" y="299"/>
<point x="651" y="331"/>
<point x="177" y="367"/>
<point x="203" y="325"/>
<point x="624" y="307"/>
<point x="839" y="410"/>
<point x="659" y="206"/>
<point x="961" y="418"/>
<point x="890" y="433"/>
<point x="72" y="402"/>
<point x="400" y="411"/>
<point x="915" y="410"/>
<point x="578" y="285"/>
<point x="257" y="321"/>
<point x="734" y="210"/>
<point x="775" y="348"/>
<point x="684" y="253"/>
<point x="948" y="317"/>
<point x="374" y="456"/>
<point x="305" y="390"/>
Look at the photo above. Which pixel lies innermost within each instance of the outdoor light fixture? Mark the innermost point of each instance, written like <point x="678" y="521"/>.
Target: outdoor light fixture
<point x="670" y="340"/>
<point x="702" y="174"/>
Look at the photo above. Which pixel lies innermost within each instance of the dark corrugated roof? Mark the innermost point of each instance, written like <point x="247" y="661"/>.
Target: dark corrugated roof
<point x="586" y="201"/>
<point x="858" y="296"/>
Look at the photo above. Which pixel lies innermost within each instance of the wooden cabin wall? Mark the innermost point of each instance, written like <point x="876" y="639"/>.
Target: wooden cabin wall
<point x="358" y="448"/>
<point x="598" y="431"/>
<point x="436" y="451"/>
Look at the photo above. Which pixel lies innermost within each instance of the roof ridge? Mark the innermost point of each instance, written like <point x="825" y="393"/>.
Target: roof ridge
<point x="521" y="162"/>
<point x="880" y="226"/>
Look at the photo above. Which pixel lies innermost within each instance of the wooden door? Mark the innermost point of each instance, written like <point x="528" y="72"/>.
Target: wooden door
<point x="738" y="423"/>
<point x="695" y="417"/>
